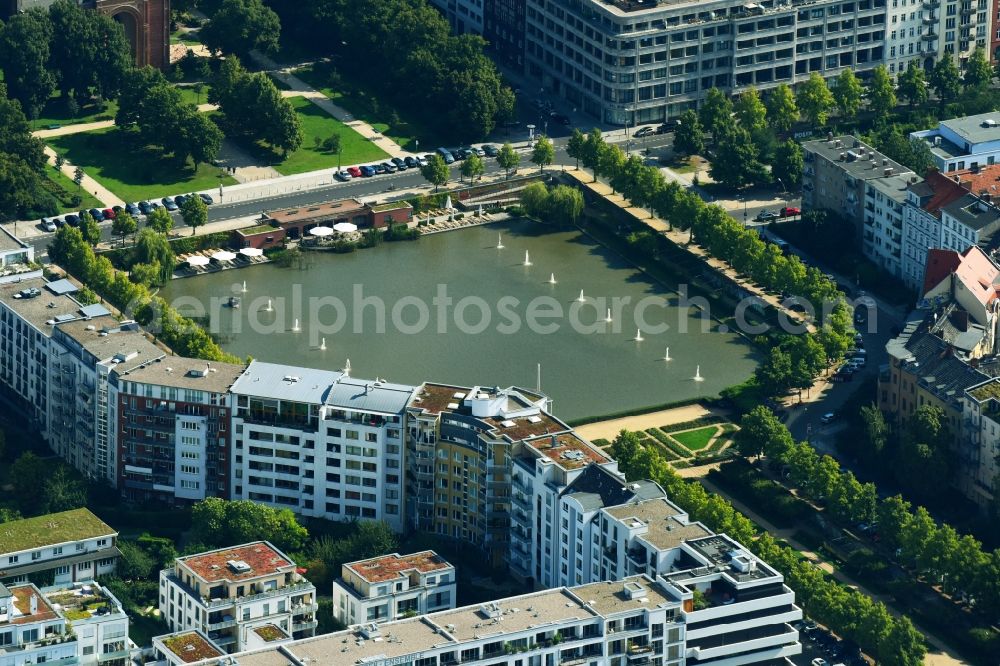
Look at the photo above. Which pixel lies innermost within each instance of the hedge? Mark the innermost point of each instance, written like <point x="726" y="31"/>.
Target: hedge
<point x="679" y="450"/>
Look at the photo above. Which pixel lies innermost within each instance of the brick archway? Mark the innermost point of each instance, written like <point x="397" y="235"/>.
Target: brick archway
<point x="147" y="27"/>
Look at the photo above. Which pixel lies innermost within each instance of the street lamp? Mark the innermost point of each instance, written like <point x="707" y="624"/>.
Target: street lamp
<point x="744" y="197"/>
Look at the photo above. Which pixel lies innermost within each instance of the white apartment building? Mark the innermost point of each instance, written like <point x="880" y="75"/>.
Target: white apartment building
<point x="31" y="631"/>
<point x="392" y="587"/>
<point x="16" y="259"/>
<point x="233" y="596"/>
<point x="559" y="485"/>
<point x="637" y="621"/>
<point x="912" y="33"/>
<point x="882" y="233"/>
<point x="969" y="142"/>
<point x="922" y="223"/>
<point x="96" y="619"/>
<point x="83" y="402"/>
<point x="60" y="548"/>
<point x="979" y="444"/>
<point x="320" y="443"/>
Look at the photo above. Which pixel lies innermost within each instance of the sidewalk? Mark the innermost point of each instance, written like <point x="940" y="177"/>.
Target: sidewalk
<point x="938" y="654"/>
<point x="300" y="88"/>
<point x="104" y="195"/>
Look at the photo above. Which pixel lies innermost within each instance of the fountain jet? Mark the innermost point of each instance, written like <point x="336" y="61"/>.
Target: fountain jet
<point x="666" y="355"/>
<point x="527" y="258"/>
<point x="500" y="244"/>
<point x="697" y="374"/>
<point x="295" y="327"/>
<point x="322" y="345"/>
<point x="638" y="335"/>
<point x="552" y="278"/>
<point x="580" y="298"/>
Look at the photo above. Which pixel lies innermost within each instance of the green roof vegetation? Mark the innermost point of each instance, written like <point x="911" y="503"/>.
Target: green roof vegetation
<point x="51" y="529"/>
<point x="986" y="391"/>
<point x="270" y="633"/>
<point x="259" y="229"/>
<point x="390" y="205"/>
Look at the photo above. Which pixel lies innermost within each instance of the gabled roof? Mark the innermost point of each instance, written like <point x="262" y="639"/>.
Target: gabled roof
<point x="941" y="189"/>
<point x="973" y="268"/>
<point x="940" y="264"/>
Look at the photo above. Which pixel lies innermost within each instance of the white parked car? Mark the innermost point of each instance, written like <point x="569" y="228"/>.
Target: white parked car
<point x="343" y="175"/>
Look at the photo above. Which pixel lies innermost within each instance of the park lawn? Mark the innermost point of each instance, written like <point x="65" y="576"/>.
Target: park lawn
<point x="318" y="123"/>
<point x="361" y="104"/>
<point x="63" y="188"/>
<point x="695" y="440"/>
<point x="55" y="112"/>
<point x="190" y="96"/>
<point x="189" y="37"/>
<point x="134" y="174"/>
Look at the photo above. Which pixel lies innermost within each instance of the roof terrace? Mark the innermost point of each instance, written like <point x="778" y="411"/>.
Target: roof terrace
<point x="390" y="567"/>
<point x="251" y="560"/>
<point x="189" y="646"/>
<point x="568" y="451"/>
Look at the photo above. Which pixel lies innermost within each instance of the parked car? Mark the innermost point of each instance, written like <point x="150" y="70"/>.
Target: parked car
<point x="820" y="661"/>
<point x="790" y="211"/>
<point x="97" y="214"/>
<point x="207" y="199"/>
<point x="446" y="155"/>
<point x="380" y="168"/>
<point x="422" y="160"/>
<point x="389" y="167"/>
<point x="354" y="171"/>
<point x="644" y="131"/>
<point x="145" y="207"/>
<point x="110" y="213"/>
<point x="842" y="376"/>
<point x="400" y="164"/>
<point x="368" y="171"/>
<point x="72" y="220"/>
<point x="828" y="418"/>
<point x="48" y="224"/>
<point x="132" y="209"/>
<point x="668" y="127"/>
<point x="766" y="216"/>
<point x="169" y="203"/>
<point x="490" y="150"/>
<point x="411" y="162"/>
<point x="858" y="361"/>
<point x="118" y="209"/>
<point x="180" y="199"/>
<point x="342" y="175"/>
<point x="560" y="118"/>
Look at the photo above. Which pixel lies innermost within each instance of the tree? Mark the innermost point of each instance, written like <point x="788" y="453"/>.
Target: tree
<point x="200" y="137"/>
<point x="218" y="522"/>
<point x="610" y="162"/>
<point x="91" y="51"/>
<point x="903" y="645"/>
<point x="535" y="200"/>
<point x="736" y="160"/>
<point x="160" y="220"/>
<point x="333" y="144"/>
<point x="750" y="111"/>
<point x="240" y="26"/>
<point x="27" y="475"/>
<point x="592" y="150"/>
<point x="881" y="95"/>
<point x="847" y="93"/>
<point x="814" y="99"/>
<point x="508" y="159"/>
<point x="62" y="491"/>
<point x="436" y="171"/>
<point x="761" y="432"/>
<point x="782" y="112"/>
<point x="543" y="153"/>
<point x="78" y="176"/>
<point x="473" y="167"/>
<point x="788" y="163"/>
<point x="194" y="212"/>
<point x="978" y="72"/>
<point x="153" y="249"/>
<point x="576" y="145"/>
<point x="565" y="204"/>
<point x="912" y="84"/>
<point x="945" y="79"/>
<point x="123" y="225"/>
<point x="689" y="139"/>
<point x="254" y="108"/>
<point x="24" y="56"/>
<point x="715" y="112"/>
<point x="89" y="228"/>
<point x="135" y="88"/>
<point x="134" y="563"/>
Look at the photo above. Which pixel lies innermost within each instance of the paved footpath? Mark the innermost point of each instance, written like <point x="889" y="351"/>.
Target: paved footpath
<point x="103" y="194"/>
<point x="609" y="429"/>
<point x="300" y="88"/>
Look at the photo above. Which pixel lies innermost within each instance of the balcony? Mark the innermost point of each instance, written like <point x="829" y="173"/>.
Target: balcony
<point x="930" y="20"/>
<point x="929" y="37"/>
<point x="304" y="626"/>
<point x="931" y="4"/>
<point x="120" y="654"/>
<point x="222" y="624"/>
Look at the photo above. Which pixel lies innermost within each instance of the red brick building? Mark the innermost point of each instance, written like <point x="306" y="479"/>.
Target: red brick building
<point x="147" y="27"/>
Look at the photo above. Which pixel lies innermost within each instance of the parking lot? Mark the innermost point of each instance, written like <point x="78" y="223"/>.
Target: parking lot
<point x="817" y="643"/>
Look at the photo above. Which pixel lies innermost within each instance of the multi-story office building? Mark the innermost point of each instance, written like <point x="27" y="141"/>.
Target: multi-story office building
<point x="321" y="443"/>
<point x="464" y="15"/>
<point x="391" y="587"/>
<point x="633" y="62"/>
<point x="971" y="142"/>
<point x="742" y="618"/>
<point x="503" y="28"/>
<point x="57" y="548"/>
<point x="459" y="454"/>
<point x="96" y="619"/>
<point x="84" y="356"/>
<point x="836" y="172"/>
<point x="229" y="594"/>
<point x="174" y="430"/>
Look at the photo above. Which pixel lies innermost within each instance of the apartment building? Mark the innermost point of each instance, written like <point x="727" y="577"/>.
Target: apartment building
<point x="837" y="170"/>
<point x="85" y="355"/>
<point x="463" y="15"/>
<point x="633" y="61"/>
<point x="174" y="430"/>
<point x="29" y="310"/>
<point x="882" y="233"/>
<point x="922" y="223"/>
<point x="459" y="443"/>
<point x="95" y="618"/>
<point x="980" y="443"/>
<point x="184" y="647"/>
<point x="970" y="142"/>
<point x="320" y="443"/>
<point x="31" y="631"/>
<point x="57" y="548"/>
<point x="230" y="594"/>
<point x="637" y="621"/>
<point x="392" y="587"/>
<point x="16" y="259"/>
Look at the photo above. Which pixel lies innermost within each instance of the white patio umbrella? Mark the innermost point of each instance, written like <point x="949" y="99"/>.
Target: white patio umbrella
<point x="197" y="260"/>
<point x="345" y="227"/>
<point x="251" y="252"/>
<point x="224" y="255"/>
<point x="321" y="231"/>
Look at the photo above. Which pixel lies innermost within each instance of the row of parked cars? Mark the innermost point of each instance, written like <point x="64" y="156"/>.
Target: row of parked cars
<point x="449" y="155"/>
<point x="134" y="209"/>
<point x="857" y="358"/>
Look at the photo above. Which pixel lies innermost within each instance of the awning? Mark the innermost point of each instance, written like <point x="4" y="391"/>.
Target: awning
<point x="197" y="260"/>
<point x="321" y="231"/>
<point x="251" y="252"/>
<point x="345" y="227"/>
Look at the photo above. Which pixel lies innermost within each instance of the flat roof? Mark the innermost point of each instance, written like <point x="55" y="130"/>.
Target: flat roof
<point x="568" y="450"/>
<point x="390" y="567"/>
<point x="269" y="657"/>
<point x="610" y="597"/>
<point x="971" y="128"/>
<point x="190" y="646"/>
<point x="330" y="209"/>
<point x="126" y="349"/>
<point x="41" y="309"/>
<point x="435" y="398"/>
<point x="22" y="606"/>
<point x="262" y="558"/>
<point x="52" y="529"/>
<point x="286" y="382"/>
<point x="857" y="157"/>
<point x="81" y="601"/>
<point x="350" y="647"/>
<point x="986" y="391"/>
<point x="665" y="530"/>
<point x="894" y="187"/>
<point x="526" y="427"/>
<point x="972" y="212"/>
<point x="366" y="395"/>
<point x="10" y="242"/>
<point x="188" y="373"/>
